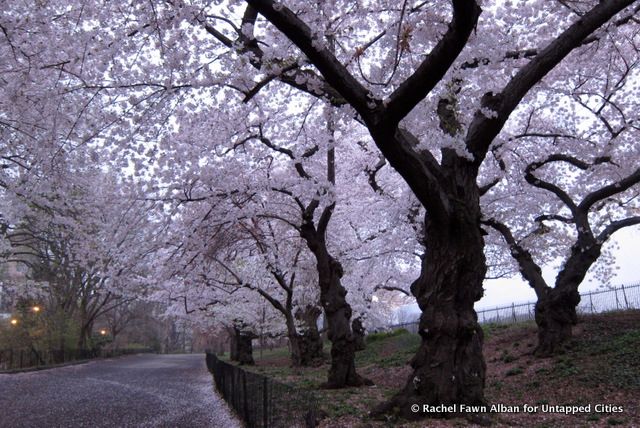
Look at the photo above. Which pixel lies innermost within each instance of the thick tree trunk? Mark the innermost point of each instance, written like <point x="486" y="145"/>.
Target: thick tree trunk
<point x="306" y="350"/>
<point x="242" y="347"/>
<point x="358" y="333"/>
<point x="233" y="346"/>
<point x="311" y="348"/>
<point x="555" y="311"/>
<point x="449" y="367"/>
<point x="245" y="350"/>
<point x="342" y="372"/>
<point x="338" y="314"/>
<point x="556" y="307"/>
<point x="84" y="336"/>
<point x="306" y="346"/>
<point x="555" y="316"/>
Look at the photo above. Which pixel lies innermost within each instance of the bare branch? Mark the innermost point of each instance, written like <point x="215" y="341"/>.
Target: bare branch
<point x="392" y="288"/>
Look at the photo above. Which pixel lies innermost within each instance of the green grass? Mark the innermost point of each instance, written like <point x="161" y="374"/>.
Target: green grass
<point x="616" y="345"/>
<point x="618" y="350"/>
<point x="383" y="350"/>
<point x="490" y="329"/>
<point x="565" y="366"/>
<point x="274" y="353"/>
<point x="376" y="337"/>
<point x="389" y="349"/>
<point x="134" y="346"/>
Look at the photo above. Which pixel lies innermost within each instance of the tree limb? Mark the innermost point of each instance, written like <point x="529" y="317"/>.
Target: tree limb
<point x="529" y="269"/>
<point x="415" y="88"/>
<point x="610" y="190"/>
<point x="617" y="225"/>
<point x="484" y="129"/>
<point x="320" y="56"/>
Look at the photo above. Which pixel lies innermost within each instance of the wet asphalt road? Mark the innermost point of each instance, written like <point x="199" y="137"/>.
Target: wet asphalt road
<point x="134" y="391"/>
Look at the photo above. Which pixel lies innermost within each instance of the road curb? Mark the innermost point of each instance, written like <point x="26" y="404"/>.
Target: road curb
<point x="68" y="363"/>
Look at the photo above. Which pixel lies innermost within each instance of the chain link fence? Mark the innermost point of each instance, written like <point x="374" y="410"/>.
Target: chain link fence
<point x="260" y="401"/>
<point x="615" y="299"/>
<point x="16" y="359"/>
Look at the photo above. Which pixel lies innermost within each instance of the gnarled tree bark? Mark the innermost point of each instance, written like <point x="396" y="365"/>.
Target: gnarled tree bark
<point x="308" y="342"/>
<point x="454" y="265"/>
<point x="241" y="346"/>
<point x="342" y="372"/>
<point x="555" y="310"/>
<point x="359" y="334"/>
<point x="449" y="366"/>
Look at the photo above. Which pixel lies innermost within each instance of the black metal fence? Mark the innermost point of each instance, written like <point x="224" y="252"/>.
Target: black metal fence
<point x="15" y="359"/>
<point x="260" y="401"/>
<point x="594" y="302"/>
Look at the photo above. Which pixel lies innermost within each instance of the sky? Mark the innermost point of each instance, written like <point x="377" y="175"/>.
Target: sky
<point x="514" y="290"/>
<point x="503" y="292"/>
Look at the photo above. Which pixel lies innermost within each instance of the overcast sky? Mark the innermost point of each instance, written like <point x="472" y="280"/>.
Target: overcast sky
<point x="503" y="292"/>
<point x="515" y="290"/>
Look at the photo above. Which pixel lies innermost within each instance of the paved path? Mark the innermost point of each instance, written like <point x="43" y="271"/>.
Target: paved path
<point x="135" y="391"/>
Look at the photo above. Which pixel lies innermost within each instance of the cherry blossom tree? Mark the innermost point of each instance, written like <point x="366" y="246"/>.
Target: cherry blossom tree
<point x="78" y="233"/>
<point x="266" y="262"/>
<point x="206" y="288"/>
<point x="454" y="265"/>
<point x="579" y="186"/>
<point x="432" y="84"/>
<point x="275" y="204"/>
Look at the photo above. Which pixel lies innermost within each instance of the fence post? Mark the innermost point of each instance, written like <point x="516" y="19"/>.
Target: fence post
<point x="244" y="392"/>
<point x="624" y="294"/>
<point x="591" y="302"/>
<point x="234" y="389"/>
<point x="617" y="300"/>
<point x="513" y="312"/>
<point x="265" y="403"/>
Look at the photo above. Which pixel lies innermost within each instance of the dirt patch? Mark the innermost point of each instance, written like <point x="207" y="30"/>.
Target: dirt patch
<point x="389" y="377"/>
<point x="599" y="371"/>
<point x="584" y="376"/>
<point x="273" y="361"/>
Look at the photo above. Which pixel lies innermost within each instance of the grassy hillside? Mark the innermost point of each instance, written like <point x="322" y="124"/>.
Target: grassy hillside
<point x="601" y="367"/>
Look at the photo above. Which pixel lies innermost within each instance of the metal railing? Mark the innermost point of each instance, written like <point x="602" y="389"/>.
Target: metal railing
<point x="593" y="302"/>
<point x="16" y="359"/>
<point x="615" y="299"/>
<point x="260" y="401"/>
